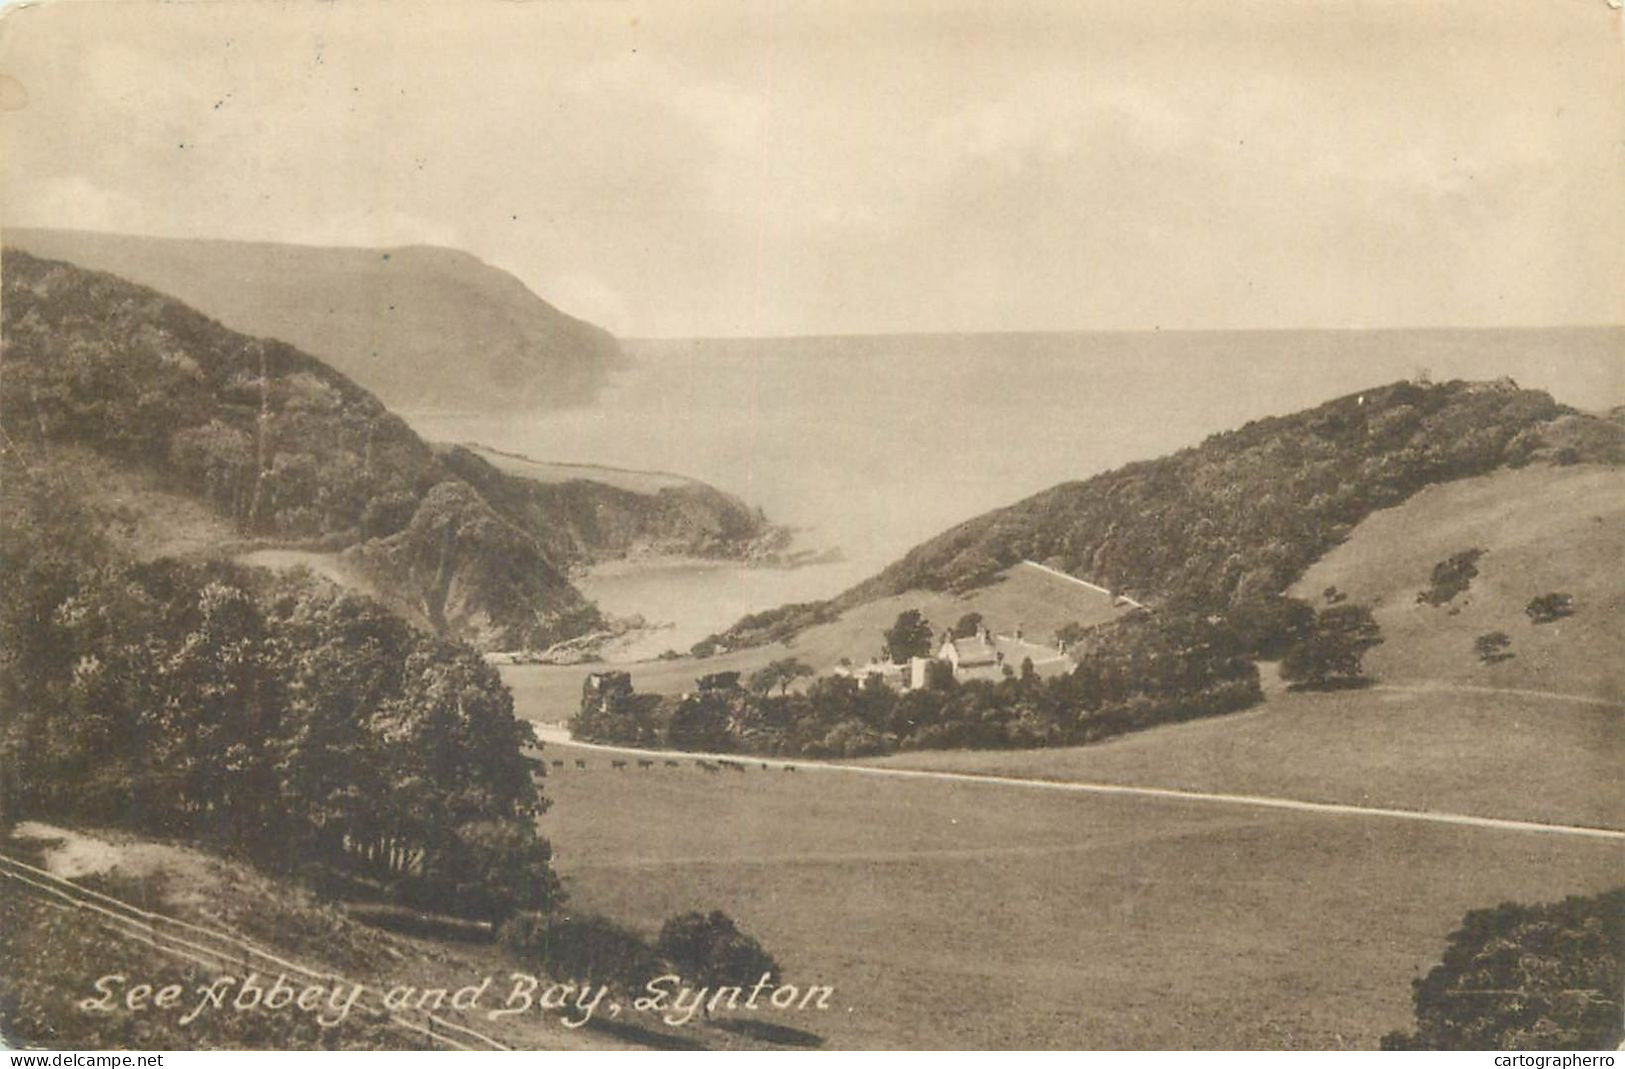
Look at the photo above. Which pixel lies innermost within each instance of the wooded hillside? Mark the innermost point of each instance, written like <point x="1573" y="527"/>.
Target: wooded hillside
<point x="274" y="441"/>
<point x="1241" y="515"/>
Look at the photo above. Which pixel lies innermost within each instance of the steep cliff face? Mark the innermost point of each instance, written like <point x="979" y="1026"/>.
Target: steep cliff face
<point x="283" y="449"/>
<point x="421" y="326"/>
<point x="582" y="520"/>
<point x="473" y="574"/>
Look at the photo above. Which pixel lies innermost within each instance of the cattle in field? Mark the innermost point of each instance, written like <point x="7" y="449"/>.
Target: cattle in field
<point x="789" y="768"/>
<point x="580" y="763"/>
<point x="557" y="763"/>
<point x="645" y="764"/>
<point x="617" y="764"/>
<point x="764" y="766"/>
<point x="708" y="766"/>
<point x="672" y="764"/>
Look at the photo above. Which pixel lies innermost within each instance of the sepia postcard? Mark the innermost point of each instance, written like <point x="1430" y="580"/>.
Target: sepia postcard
<point x="585" y="525"/>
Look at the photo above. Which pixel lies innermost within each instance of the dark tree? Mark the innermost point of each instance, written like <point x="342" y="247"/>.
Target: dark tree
<point x="1269" y="626"/>
<point x="939" y="676"/>
<point x="1451" y="577"/>
<point x="700" y="722"/>
<point x="1518" y="977"/>
<point x="718" y="681"/>
<point x="780" y="673"/>
<point x="582" y="947"/>
<point x="1492" y="646"/>
<point x="1330" y="655"/>
<point x="909" y="637"/>
<point x="1550" y="607"/>
<point x="709" y="950"/>
<point x="1069" y="634"/>
<point x="968" y="625"/>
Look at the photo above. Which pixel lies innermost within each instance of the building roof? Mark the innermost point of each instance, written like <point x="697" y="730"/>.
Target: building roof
<point x="973" y="650"/>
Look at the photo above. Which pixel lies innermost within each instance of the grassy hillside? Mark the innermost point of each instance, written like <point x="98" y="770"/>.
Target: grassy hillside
<point x="421" y="327"/>
<point x="988" y="916"/>
<point x="1541" y="530"/>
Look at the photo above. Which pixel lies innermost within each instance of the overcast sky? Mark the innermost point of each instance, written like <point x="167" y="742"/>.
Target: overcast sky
<point x="770" y="168"/>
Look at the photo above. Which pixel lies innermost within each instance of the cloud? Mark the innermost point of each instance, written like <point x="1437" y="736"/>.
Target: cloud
<point x="585" y="296"/>
<point x="73" y="202"/>
<point x="805" y="168"/>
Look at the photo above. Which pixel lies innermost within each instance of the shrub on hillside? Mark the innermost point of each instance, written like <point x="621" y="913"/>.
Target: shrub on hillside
<point x="1492" y="647"/>
<point x="1550" y="607"/>
<point x="1070" y="633"/>
<point x="1451" y="577"/>
<point x="709" y="950"/>
<point x="585" y="948"/>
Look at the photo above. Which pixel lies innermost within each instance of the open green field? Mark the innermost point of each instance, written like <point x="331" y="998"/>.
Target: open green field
<point x="1543" y="529"/>
<point x="1482" y="754"/>
<point x="950" y="914"/>
<point x="1026" y="597"/>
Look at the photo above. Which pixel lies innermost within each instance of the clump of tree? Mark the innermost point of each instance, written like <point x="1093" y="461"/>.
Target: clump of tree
<point x="709" y="950"/>
<point x="1549" y="608"/>
<point x="1519" y="977"/>
<point x="1492" y="647"/>
<point x="1271" y="624"/>
<point x="582" y="947"/>
<point x="910" y="636"/>
<point x="1069" y="634"/>
<point x="968" y="625"/>
<point x="780" y="674"/>
<point x="706" y="949"/>
<point x="1331" y="655"/>
<point x="273" y="716"/>
<point x="1451" y="577"/>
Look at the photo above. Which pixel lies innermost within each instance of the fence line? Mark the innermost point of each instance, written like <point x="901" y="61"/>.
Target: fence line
<point x="81" y="898"/>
